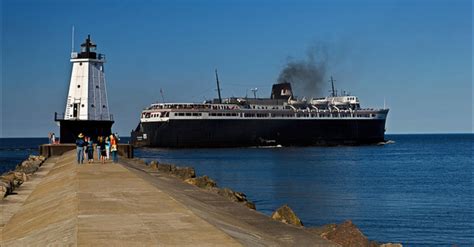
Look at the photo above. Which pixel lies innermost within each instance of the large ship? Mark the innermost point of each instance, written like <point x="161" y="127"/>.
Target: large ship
<point x="278" y="120"/>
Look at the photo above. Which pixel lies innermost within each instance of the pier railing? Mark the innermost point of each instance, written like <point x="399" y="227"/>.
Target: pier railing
<point x="101" y="117"/>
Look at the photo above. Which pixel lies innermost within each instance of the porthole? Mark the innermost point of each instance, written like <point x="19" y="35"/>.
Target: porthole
<point x="78" y="86"/>
<point x="80" y="64"/>
<point x="82" y="105"/>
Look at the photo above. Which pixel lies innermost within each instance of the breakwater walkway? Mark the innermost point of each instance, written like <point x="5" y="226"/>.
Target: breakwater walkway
<point x="129" y="204"/>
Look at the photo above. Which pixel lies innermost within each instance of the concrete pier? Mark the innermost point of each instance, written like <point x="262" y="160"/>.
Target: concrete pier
<point x="128" y="204"/>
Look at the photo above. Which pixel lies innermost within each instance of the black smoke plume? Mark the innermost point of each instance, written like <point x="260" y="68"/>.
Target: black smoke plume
<point x="307" y="76"/>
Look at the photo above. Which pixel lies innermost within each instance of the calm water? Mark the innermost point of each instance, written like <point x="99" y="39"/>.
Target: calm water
<point x="418" y="191"/>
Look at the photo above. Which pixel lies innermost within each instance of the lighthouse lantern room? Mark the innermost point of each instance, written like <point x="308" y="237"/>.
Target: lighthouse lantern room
<point x="87" y="108"/>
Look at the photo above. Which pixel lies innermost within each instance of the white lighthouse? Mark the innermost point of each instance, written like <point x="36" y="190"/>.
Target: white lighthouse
<point x="87" y="97"/>
<point x="87" y="108"/>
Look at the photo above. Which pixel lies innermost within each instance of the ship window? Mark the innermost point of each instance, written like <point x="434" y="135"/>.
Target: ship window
<point x="180" y="114"/>
<point x="80" y="64"/>
<point x="195" y="114"/>
<point x="219" y="114"/>
<point x="188" y="114"/>
<point x="228" y="114"/>
<point x="78" y="86"/>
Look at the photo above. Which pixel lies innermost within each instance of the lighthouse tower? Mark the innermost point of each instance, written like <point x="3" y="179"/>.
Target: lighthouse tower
<point x="87" y="109"/>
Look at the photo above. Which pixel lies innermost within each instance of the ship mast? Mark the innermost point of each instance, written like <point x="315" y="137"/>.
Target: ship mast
<point x="333" y="93"/>
<point x="218" y="88"/>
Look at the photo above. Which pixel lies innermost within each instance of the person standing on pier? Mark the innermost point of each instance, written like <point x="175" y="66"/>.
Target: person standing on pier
<point x="107" y="147"/>
<point x="80" y="143"/>
<point x="113" y="148"/>
<point x="100" y="140"/>
<point x="102" y="150"/>
<point x="90" y="150"/>
<point x="53" y="138"/>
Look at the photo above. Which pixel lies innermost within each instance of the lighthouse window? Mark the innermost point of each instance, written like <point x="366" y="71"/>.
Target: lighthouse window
<point x="80" y="64"/>
<point x="78" y="86"/>
<point x="82" y="105"/>
<point x="96" y="86"/>
<point x="103" y="106"/>
<point x="92" y="105"/>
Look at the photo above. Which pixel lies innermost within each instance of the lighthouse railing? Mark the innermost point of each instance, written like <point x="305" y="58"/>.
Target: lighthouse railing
<point x="103" y="117"/>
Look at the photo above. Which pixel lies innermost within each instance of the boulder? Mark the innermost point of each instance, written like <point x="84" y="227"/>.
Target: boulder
<point x="153" y="164"/>
<point x="165" y="167"/>
<point x="232" y="195"/>
<point x="346" y="234"/>
<point x="202" y="182"/>
<point x="286" y="215"/>
<point x="5" y="189"/>
<point x="140" y="161"/>
<point x="183" y="172"/>
<point x="28" y="166"/>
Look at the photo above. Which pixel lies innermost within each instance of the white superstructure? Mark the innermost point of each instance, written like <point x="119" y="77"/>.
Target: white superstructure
<point x="87" y="97"/>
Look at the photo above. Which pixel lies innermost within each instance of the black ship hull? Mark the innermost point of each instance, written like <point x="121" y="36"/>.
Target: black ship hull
<point x="241" y="133"/>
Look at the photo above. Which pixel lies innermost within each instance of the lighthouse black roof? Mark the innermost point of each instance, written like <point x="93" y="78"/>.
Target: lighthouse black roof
<point x="88" y="49"/>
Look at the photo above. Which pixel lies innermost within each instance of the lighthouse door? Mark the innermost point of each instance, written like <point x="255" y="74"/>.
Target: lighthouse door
<point x="74" y="111"/>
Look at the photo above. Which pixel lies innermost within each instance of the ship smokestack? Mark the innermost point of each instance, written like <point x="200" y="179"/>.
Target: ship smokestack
<point x="282" y="91"/>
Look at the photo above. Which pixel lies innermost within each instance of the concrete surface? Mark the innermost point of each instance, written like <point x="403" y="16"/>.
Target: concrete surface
<point x="125" y="204"/>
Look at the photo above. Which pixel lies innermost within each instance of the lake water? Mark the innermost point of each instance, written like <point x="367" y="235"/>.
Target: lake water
<point x="417" y="191"/>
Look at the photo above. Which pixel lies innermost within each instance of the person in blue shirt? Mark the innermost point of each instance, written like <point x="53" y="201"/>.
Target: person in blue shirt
<point x="80" y="143"/>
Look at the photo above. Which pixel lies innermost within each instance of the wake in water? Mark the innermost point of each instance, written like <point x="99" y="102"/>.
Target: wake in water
<point x="386" y="142"/>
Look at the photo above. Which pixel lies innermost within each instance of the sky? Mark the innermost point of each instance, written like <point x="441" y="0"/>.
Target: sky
<point x="415" y="55"/>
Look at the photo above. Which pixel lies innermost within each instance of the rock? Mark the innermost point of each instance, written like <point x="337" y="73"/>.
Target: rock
<point x="250" y="205"/>
<point x="183" y="172"/>
<point x="140" y="161"/>
<point x="323" y="230"/>
<point x="28" y="166"/>
<point x="286" y="215"/>
<point x="347" y="234"/>
<point x="5" y="189"/>
<point x="165" y="167"/>
<point x="153" y="164"/>
<point x="202" y="182"/>
<point x="232" y="195"/>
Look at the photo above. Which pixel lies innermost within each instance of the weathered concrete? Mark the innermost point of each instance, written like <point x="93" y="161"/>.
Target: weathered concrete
<point x="122" y="204"/>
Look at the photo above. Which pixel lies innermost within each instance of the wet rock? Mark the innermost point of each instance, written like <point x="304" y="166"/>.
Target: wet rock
<point x="183" y="172"/>
<point x="202" y="182"/>
<point x="286" y="215"/>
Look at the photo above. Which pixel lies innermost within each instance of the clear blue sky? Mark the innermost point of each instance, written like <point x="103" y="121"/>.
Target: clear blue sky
<point x="416" y="54"/>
